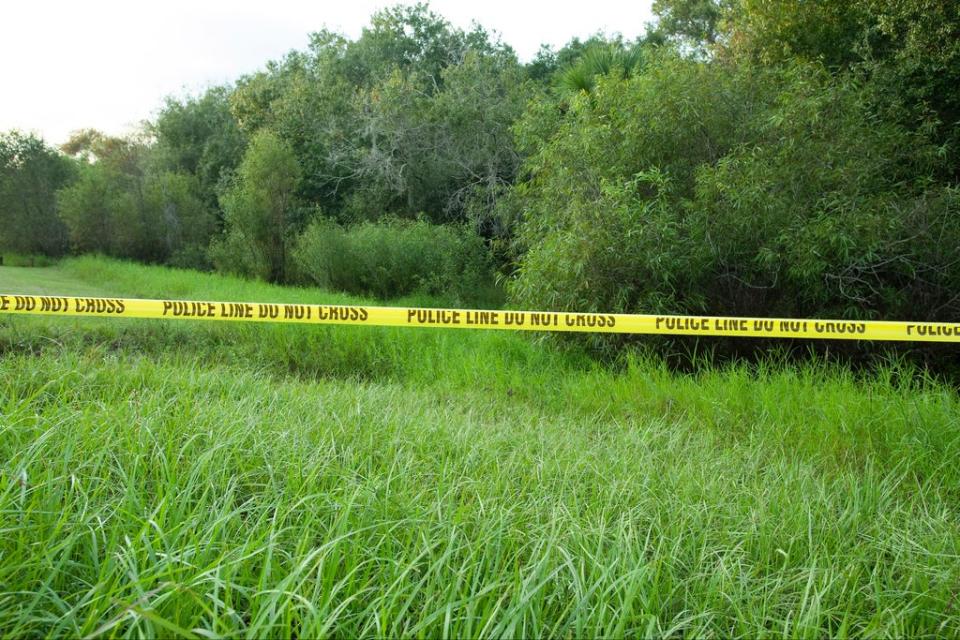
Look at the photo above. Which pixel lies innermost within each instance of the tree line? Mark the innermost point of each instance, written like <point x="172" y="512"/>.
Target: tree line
<point x="754" y="157"/>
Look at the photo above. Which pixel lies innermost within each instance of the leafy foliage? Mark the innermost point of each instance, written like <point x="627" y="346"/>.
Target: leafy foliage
<point x="395" y="257"/>
<point x="413" y="117"/>
<point x="123" y="205"/>
<point x="200" y="136"/>
<point x="663" y="125"/>
<point x="30" y="175"/>
<point x="861" y="231"/>
<point x="261" y="211"/>
<point x="808" y="206"/>
<point x="696" y="24"/>
<point x="598" y="60"/>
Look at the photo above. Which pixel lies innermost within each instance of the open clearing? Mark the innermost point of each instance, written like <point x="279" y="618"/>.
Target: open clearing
<point x="162" y="478"/>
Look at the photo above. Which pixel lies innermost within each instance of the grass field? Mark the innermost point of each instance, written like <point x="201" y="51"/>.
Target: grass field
<point x="212" y="480"/>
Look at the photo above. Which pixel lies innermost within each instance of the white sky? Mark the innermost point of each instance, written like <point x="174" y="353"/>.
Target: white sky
<point x="108" y="64"/>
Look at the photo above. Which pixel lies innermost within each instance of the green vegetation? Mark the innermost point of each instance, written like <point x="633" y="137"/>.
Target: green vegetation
<point x="726" y="221"/>
<point x="259" y="211"/>
<point x="123" y="205"/>
<point x="30" y="175"/>
<point x="755" y="157"/>
<point x="742" y="157"/>
<point x="219" y="479"/>
<point x="396" y="257"/>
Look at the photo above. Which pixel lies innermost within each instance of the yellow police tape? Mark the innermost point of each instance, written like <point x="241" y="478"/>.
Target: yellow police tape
<point x="477" y="319"/>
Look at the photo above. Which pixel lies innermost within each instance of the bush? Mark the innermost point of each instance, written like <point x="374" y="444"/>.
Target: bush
<point x="30" y="175"/>
<point x="8" y="259"/>
<point x="835" y="213"/>
<point x="394" y="257"/>
<point x="811" y="207"/>
<point x="237" y="255"/>
<point x="260" y="212"/>
<point x="122" y="205"/>
<point x="602" y="225"/>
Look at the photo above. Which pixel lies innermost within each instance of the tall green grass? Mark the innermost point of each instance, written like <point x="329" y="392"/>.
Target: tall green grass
<point x="214" y="480"/>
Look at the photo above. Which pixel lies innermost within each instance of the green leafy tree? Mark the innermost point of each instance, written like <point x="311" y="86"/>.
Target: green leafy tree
<point x="308" y="103"/>
<point x="830" y="212"/>
<point x="260" y="210"/>
<point x="709" y="188"/>
<point x="199" y="136"/>
<point x="774" y="31"/>
<point x="911" y="55"/>
<point x="411" y="117"/>
<point x="177" y="208"/>
<point x="908" y="51"/>
<point x="412" y="38"/>
<point x="123" y="204"/>
<point x="104" y="209"/>
<point x="765" y="31"/>
<point x="628" y="154"/>
<point x="448" y="154"/>
<point x="696" y="24"/>
<point x="31" y="173"/>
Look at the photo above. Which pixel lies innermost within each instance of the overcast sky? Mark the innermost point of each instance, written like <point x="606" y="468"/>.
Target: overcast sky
<point x="108" y="64"/>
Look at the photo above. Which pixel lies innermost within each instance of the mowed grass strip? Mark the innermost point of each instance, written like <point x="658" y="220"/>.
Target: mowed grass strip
<point x="208" y="480"/>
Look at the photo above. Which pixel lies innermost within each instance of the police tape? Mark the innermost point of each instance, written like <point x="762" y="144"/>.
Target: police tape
<point x="481" y="319"/>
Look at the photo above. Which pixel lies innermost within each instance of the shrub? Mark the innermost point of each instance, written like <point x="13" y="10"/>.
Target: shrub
<point x="123" y="205"/>
<point x="8" y="259"/>
<point x="260" y="211"/>
<point x="395" y="257"/>
<point x="811" y="206"/>
<point x="236" y="254"/>
<point x="834" y="213"/>
<point x="30" y="175"/>
<point x="602" y="225"/>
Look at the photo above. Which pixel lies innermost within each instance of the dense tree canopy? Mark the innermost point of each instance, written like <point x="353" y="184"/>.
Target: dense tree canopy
<point x="413" y="117"/>
<point x="31" y="173"/>
<point x="124" y="203"/>
<point x="764" y="157"/>
<point x="199" y="136"/>
<point x="261" y="210"/>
